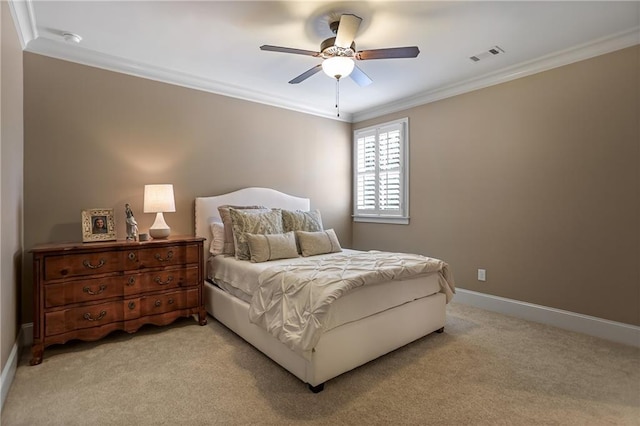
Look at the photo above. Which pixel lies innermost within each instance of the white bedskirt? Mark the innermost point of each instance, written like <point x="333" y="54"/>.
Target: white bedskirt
<point x="344" y="347"/>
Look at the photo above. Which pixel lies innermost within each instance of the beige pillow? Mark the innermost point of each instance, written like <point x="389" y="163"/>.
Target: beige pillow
<point x="312" y="243"/>
<point x="245" y="222"/>
<point x="229" y="247"/>
<point x="217" y="241"/>
<point x="265" y="247"/>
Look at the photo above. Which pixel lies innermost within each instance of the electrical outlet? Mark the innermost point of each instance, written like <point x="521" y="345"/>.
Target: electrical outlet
<point x="482" y="275"/>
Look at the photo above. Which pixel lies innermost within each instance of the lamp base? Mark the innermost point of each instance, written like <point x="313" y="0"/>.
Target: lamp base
<point x="159" y="233"/>
<point x="159" y="230"/>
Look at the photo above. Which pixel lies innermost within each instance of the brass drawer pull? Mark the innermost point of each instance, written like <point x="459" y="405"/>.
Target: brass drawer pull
<point x="88" y="317"/>
<point x="132" y="256"/>
<point x="159" y="280"/>
<point x="132" y="305"/>
<point x="94" y="293"/>
<point x="131" y="281"/>
<point x="164" y="259"/>
<point x="157" y="303"/>
<point x="88" y="264"/>
<point x="171" y="301"/>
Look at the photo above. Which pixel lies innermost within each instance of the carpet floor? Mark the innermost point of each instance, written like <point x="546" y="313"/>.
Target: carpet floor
<point x="485" y="369"/>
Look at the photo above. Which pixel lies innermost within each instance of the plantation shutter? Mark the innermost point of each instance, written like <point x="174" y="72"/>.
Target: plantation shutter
<point x="380" y="182"/>
<point x="366" y="172"/>
<point x="390" y="169"/>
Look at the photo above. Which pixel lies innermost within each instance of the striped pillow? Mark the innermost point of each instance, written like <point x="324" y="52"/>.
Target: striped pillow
<point x="312" y="243"/>
<point x="265" y="247"/>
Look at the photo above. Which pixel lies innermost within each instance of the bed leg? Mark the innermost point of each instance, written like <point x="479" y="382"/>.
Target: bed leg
<point x="316" y="389"/>
<point x="440" y="330"/>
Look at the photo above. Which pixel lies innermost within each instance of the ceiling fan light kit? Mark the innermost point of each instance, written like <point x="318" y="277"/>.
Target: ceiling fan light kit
<point x="338" y="66"/>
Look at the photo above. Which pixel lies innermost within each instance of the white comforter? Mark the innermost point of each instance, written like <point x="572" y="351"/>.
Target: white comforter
<point x="292" y="302"/>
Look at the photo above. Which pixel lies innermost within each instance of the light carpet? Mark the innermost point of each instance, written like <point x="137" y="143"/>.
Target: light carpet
<point x="485" y="369"/>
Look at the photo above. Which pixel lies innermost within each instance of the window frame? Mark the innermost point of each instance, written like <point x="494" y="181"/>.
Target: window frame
<point x="379" y="217"/>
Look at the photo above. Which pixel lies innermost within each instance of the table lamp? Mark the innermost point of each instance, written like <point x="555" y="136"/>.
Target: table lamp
<point x="159" y="199"/>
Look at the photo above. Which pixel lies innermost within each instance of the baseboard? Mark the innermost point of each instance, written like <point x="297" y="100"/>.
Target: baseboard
<point x="610" y="330"/>
<point x="9" y="370"/>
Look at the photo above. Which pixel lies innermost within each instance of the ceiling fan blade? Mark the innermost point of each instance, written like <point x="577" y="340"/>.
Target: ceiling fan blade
<point x="393" y="52"/>
<point x="305" y="75"/>
<point x="289" y="50"/>
<point x="347" y="30"/>
<point x="360" y="77"/>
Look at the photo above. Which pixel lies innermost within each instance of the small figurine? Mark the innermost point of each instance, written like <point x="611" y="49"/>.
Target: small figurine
<point x="132" y="225"/>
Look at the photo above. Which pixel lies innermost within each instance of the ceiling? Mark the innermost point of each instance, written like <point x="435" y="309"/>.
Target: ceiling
<point x="214" y="45"/>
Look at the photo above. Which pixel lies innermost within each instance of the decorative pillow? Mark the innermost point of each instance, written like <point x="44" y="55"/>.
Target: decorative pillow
<point x="244" y="222"/>
<point x="229" y="247"/>
<point x="312" y="243"/>
<point x="265" y="247"/>
<point x="217" y="242"/>
<point x="301" y="221"/>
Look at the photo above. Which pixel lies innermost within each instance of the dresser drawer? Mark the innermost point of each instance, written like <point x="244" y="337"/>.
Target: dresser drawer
<point x="154" y="257"/>
<point x="167" y="302"/>
<point x="71" y="265"/>
<point x="89" y="290"/>
<point x="65" y="320"/>
<point x="161" y="280"/>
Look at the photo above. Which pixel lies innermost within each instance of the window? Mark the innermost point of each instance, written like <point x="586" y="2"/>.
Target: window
<point x="381" y="175"/>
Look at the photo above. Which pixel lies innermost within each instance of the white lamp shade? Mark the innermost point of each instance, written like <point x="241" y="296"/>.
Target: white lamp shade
<point x="338" y="66"/>
<point x="159" y="198"/>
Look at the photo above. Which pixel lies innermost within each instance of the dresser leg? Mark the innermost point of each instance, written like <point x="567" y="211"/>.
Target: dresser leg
<point x="36" y="353"/>
<point x="202" y="316"/>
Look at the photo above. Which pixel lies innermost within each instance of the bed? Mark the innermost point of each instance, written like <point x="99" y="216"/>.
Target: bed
<point x="365" y="323"/>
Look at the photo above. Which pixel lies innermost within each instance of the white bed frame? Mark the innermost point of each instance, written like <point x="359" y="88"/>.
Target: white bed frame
<point x="340" y="349"/>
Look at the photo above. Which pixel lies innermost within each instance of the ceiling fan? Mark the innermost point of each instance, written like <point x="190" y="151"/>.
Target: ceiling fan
<point x="339" y="53"/>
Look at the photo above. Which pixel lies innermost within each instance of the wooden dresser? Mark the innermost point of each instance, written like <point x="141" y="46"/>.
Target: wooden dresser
<point x="87" y="290"/>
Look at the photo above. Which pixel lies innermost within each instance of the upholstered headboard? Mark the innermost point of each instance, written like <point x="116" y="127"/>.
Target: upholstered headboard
<point x="207" y="207"/>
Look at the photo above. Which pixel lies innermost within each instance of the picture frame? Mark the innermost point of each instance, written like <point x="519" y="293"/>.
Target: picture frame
<point x="98" y="225"/>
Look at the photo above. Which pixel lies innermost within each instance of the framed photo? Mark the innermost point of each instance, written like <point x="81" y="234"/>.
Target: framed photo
<point x="98" y="225"/>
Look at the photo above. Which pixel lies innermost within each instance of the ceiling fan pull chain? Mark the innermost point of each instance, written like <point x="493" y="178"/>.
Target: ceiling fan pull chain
<point x="338" y="96"/>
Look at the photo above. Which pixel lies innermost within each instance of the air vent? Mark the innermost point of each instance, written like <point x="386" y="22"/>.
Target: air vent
<point x="493" y="51"/>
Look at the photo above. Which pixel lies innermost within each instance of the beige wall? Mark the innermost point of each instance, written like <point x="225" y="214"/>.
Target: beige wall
<point x="535" y="180"/>
<point x="93" y="138"/>
<point x="11" y="155"/>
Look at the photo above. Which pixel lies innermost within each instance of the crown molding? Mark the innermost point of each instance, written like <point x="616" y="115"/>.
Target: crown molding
<point x="59" y="50"/>
<point x="598" y="47"/>
<point x="24" y="19"/>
